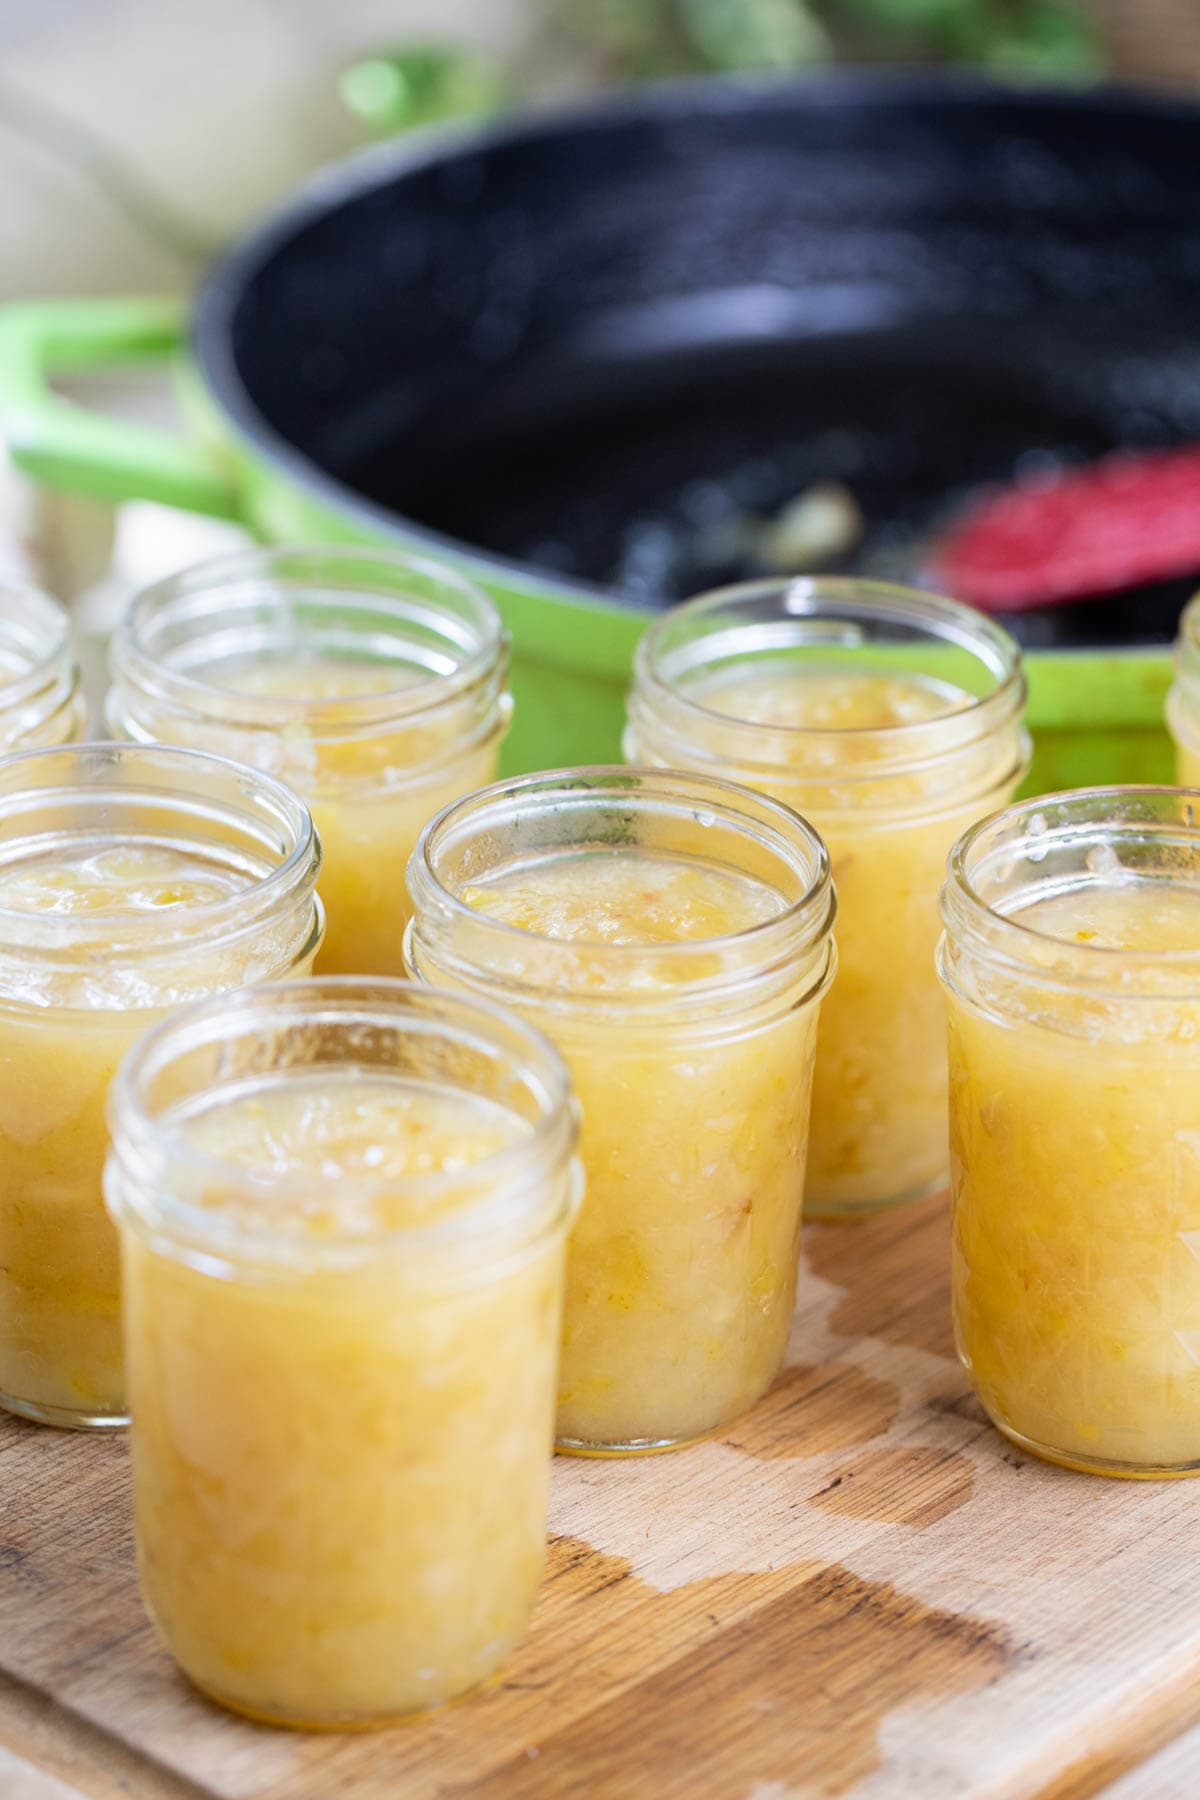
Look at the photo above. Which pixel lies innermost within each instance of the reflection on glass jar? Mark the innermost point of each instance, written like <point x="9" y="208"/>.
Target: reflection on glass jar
<point x="1071" y="958"/>
<point x="892" y="720"/>
<point x="372" y="682"/>
<point x="1183" y="701"/>
<point x="672" y="935"/>
<point x="40" y="699"/>
<point x="343" y="1210"/>
<point x="131" y="880"/>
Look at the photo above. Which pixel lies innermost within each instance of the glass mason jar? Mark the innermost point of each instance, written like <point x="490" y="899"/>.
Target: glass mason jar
<point x="131" y="880"/>
<point x="1071" y="959"/>
<point x="689" y="1033"/>
<point x="343" y="1210"/>
<point x="372" y="682"/>
<point x="892" y="720"/>
<point x="1183" y="701"/>
<point x="40" y="698"/>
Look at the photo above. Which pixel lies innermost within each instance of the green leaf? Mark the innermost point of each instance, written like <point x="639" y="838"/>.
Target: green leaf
<point x="754" y="34"/>
<point x="423" y="85"/>
<point x="1044" y="39"/>
<point x="916" y="18"/>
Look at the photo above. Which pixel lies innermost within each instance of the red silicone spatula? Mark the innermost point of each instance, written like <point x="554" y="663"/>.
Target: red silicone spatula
<point x="1122" y="523"/>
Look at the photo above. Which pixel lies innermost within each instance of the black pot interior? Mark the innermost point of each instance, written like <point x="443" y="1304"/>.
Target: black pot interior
<point x="606" y="346"/>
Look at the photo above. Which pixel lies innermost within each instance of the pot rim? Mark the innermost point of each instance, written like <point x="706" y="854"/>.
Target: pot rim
<point x="443" y="146"/>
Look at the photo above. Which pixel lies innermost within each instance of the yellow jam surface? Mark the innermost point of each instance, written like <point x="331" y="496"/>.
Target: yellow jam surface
<point x="318" y="678"/>
<point x="62" y="1035"/>
<point x="829" y="699"/>
<point x="682" y="1269"/>
<point x="358" y="1137"/>
<point x="879" y="1092"/>
<point x="1076" y="1161"/>
<point x="370" y="794"/>
<point x="604" y="898"/>
<point x="114" y="884"/>
<point x="106" y="879"/>
<point x="340" y="1473"/>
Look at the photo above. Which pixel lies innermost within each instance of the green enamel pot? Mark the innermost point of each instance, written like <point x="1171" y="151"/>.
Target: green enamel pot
<point x="540" y="347"/>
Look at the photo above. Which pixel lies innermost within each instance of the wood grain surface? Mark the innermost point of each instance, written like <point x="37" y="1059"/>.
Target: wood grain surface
<point x="860" y="1590"/>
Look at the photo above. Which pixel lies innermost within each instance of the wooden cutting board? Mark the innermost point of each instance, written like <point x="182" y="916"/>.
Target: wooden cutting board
<point x="860" y="1590"/>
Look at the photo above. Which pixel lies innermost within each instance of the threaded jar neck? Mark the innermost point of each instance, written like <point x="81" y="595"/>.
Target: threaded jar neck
<point x="794" y="631"/>
<point x="783" y="960"/>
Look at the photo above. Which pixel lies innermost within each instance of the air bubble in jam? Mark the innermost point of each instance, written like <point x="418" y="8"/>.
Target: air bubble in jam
<point x="1103" y="860"/>
<point x="1037" y="828"/>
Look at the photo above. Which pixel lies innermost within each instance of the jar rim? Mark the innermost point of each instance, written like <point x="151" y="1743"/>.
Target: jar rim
<point x="856" y="603"/>
<point x="1067" y="819"/>
<point x="347" y="576"/>
<point x="145" y="1143"/>
<point x="804" y="923"/>
<point x="44" y="638"/>
<point x="143" y="935"/>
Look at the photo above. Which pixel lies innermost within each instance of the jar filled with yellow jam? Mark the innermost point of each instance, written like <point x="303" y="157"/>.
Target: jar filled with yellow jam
<point x="343" y="1210"/>
<point x="373" y="683"/>
<point x="671" y="934"/>
<point x="131" y="880"/>
<point x="892" y="720"/>
<point x="1183" y="701"/>
<point x="1071" y="959"/>
<point x="40" y="698"/>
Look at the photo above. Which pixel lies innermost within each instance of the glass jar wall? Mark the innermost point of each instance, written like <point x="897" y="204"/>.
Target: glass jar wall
<point x="131" y="880"/>
<point x="371" y="682"/>
<point x="343" y="1210"/>
<point x="671" y="934"/>
<point x="40" y="699"/>
<point x="1071" y="958"/>
<point x="892" y="720"/>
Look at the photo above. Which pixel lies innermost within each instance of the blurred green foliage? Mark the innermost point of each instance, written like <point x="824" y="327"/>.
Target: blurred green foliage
<point x="640" y="39"/>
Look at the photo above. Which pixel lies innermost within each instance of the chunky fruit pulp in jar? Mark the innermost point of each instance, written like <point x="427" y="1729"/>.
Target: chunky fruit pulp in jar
<point x="62" y="1034"/>
<point x="1076" y="1162"/>
<point x="879" y="1087"/>
<point x="369" y="796"/>
<point x="682" y="1268"/>
<point x="341" y="1471"/>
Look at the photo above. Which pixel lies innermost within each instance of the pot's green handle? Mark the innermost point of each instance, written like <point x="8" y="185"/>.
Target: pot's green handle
<point x="85" y="452"/>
